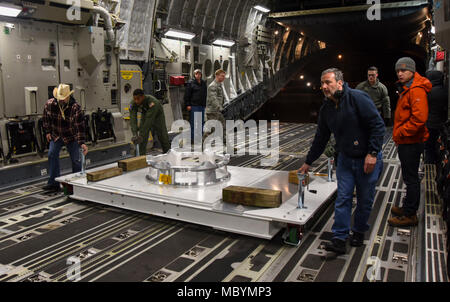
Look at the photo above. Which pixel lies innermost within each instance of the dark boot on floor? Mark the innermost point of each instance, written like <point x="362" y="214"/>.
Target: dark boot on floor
<point x="51" y="188"/>
<point x="357" y="239"/>
<point x="403" y="221"/>
<point x="336" y="246"/>
<point x="397" y="211"/>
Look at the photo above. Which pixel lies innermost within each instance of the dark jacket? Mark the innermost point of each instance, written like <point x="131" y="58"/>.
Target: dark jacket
<point x="437" y="100"/>
<point x="355" y="123"/>
<point x="195" y="93"/>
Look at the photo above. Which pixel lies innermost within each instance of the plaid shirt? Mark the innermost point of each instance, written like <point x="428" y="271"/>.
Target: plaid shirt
<point x="70" y="129"/>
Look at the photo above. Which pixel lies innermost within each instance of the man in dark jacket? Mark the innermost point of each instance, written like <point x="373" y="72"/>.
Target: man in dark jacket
<point x="195" y="101"/>
<point x="437" y="114"/>
<point x="359" y="130"/>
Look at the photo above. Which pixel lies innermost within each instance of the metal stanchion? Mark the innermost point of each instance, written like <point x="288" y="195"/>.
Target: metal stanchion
<point x="83" y="163"/>
<point x="330" y="169"/>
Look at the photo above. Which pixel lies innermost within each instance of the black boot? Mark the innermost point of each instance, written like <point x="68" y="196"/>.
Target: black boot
<point x="337" y="246"/>
<point x="52" y="188"/>
<point x="357" y="239"/>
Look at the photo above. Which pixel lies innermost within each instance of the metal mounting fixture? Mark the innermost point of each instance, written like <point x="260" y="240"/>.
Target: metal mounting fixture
<point x="330" y="169"/>
<point x="188" y="168"/>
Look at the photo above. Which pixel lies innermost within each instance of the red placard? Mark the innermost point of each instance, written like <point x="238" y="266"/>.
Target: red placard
<point x="176" y="80"/>
<point x="440" y="56"/>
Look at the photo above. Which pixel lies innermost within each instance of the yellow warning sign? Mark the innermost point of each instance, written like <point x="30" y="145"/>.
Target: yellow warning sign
<point x="127" y="75"/>
<point x="165" y="179"/>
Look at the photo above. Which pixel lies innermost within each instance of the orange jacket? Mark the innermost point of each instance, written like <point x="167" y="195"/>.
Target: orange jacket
<point x="412" y="113"/>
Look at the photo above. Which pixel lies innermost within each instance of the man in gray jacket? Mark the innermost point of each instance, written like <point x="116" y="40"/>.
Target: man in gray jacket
<point x="215" y="99"/>
<point x="378" y="93"/>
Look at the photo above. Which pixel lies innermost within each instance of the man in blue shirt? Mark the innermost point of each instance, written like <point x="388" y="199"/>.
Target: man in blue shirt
<point x="359" y="130"/>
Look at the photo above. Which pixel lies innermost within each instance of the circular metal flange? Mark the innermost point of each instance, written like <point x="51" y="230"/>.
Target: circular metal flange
<point x="187" y="169"/>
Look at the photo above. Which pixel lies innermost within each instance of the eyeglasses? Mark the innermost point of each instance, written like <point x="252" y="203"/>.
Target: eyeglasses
<point x="372" y="75"/>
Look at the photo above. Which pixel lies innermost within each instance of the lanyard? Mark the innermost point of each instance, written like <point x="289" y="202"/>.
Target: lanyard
<point x="62" y="110"/>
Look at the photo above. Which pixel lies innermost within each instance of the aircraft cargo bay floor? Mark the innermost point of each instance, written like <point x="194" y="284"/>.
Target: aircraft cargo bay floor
<point x="39" y="232"/>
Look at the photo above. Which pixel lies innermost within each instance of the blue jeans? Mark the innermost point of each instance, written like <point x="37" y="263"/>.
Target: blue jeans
<point x="200" y="123"/>
<point x="53" y="158"/>
<point x="350" y="172"/>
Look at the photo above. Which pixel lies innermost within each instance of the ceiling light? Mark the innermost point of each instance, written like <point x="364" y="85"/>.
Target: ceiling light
<point x="276" y="32"/>
<point x="9" y="10"/>
<point x="308" y="84"/>
<point x="340" y="57"/>
<point x="261" y="8"/>
<point x="227" y="43"/>
<point x="302" y="77"/>
<point x="179" y="34"/>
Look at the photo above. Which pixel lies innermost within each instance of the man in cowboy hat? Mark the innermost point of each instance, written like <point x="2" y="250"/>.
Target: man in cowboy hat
<point x="63" y="125"/>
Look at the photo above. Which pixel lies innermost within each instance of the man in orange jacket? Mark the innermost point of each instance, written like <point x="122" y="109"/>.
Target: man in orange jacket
<point x="409" y="134"/>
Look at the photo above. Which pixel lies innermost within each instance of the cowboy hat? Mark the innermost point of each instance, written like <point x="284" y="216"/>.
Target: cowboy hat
<point x="62" y="92"/>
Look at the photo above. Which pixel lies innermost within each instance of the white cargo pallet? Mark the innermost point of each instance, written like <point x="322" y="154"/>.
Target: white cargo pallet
<point x="203" y="205"/>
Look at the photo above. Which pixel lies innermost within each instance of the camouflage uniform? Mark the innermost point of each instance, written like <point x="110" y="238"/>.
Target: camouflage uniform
<point x="214" y="103"/>
<point x="152" y="119"/>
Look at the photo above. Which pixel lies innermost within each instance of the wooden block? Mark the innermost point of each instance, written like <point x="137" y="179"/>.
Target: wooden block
<point x="133" y="164"/>
<point x="104" y="174"/>
<point x="293" y="178"/>
<point x="252" y="196"/>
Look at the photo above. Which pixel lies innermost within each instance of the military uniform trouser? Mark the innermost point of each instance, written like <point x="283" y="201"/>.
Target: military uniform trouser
<point x="161" y="131"/>
<point x="216" y="116"/>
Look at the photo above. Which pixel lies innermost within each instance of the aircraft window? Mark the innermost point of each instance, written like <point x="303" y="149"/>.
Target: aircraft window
<point x="216" y="65"/>
<point x="225" y="65"/>
<point x="208" y="66"/>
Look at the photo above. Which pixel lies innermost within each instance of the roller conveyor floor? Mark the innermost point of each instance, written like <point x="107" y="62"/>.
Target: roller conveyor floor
<point x="39" y="232"/>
